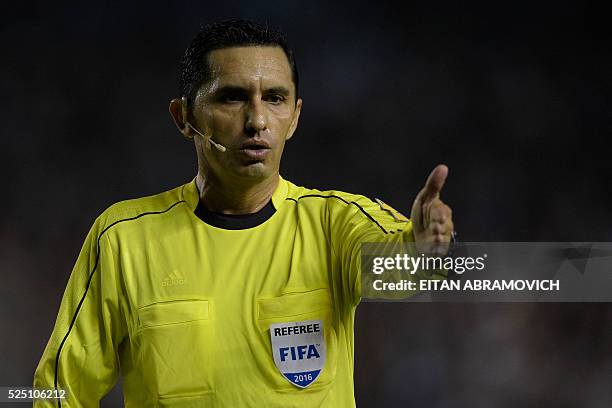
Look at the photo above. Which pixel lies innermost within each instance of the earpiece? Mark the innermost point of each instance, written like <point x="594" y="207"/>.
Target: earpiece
<point x="207" y="137"/>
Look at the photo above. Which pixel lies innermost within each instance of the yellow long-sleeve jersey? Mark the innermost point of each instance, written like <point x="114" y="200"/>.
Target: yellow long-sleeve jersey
<point x="197" y="309"/>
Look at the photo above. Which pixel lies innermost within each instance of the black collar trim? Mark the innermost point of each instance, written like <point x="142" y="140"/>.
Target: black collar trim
<point x="235" y="222"/>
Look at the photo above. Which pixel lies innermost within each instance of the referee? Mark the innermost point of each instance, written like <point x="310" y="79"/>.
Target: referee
<point x="238" y="288"/>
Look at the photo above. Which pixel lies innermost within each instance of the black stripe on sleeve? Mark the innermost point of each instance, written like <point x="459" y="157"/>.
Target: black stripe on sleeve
<point x="74" y="317"/>
<point x="345" y="202"/>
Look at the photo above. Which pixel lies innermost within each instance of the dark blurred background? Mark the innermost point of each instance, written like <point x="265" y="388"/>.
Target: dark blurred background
<point x="514" y="98"/>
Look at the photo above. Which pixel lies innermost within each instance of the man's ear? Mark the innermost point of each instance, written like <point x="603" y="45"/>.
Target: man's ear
<point x="296" y="118"/>
<point x="176" y="111"/>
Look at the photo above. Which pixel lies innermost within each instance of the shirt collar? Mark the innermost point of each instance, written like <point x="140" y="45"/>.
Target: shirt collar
<point x="192" y="196"/>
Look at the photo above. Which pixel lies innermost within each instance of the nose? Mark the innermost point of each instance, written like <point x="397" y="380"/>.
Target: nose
<point x="256" y="120"/>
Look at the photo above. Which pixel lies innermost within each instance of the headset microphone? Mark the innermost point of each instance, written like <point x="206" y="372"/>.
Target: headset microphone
<point x="208" y="138"/>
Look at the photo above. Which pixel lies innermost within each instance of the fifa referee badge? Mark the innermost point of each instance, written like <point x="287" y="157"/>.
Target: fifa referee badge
<point x="299" y="350"/>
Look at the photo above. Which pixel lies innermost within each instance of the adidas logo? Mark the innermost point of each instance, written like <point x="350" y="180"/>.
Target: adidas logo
<point x="173" y="279"/>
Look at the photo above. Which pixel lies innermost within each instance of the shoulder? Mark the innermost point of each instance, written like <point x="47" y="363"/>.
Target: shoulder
<point x="139" y="207"/>
<point x="334" y="199"/>
<point x="343" y="205"/>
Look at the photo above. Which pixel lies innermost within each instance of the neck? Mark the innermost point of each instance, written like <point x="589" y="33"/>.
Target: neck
<point x="235" y="198"/>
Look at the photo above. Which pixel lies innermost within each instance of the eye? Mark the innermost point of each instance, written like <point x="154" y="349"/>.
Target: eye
<point x="275" y="99"/>
<point x="232" y="97"/>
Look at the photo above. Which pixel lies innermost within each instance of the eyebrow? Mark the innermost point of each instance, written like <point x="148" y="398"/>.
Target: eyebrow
<point x="280" y="90"/>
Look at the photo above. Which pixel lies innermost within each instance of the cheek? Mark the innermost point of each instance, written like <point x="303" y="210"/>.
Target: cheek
<point x="227" y="120"/>
<point x="281" y="115"/>
<point x="281" y="122"/>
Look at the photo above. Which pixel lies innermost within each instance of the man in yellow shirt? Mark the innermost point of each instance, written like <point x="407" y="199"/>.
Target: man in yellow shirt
<point x="239" y="288"/>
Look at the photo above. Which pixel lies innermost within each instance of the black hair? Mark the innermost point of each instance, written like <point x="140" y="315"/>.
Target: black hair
<point x="195" y="69"/>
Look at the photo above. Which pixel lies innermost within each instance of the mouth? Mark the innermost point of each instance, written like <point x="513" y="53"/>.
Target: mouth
<point x="255" y="144"/>
<point x="255" y="149"/>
